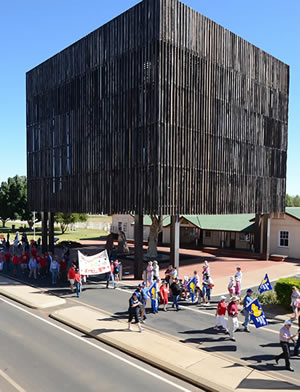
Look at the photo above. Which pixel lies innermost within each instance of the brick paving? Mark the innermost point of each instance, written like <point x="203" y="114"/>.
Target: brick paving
<point x="221" y="267"/>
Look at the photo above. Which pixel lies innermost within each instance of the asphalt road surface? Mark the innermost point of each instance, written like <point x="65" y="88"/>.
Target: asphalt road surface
<point x="194" y="324"/>
<point x="41" y="355"/>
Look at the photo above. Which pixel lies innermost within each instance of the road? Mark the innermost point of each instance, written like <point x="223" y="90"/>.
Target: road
<point x="194" y="324"/>
<point x="41" y="355"/>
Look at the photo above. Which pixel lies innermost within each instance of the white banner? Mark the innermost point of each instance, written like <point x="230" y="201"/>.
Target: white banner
<point x="94" y="265"/>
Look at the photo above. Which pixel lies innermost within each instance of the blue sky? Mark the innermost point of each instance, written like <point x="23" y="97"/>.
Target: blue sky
<point x="33" y="30"/>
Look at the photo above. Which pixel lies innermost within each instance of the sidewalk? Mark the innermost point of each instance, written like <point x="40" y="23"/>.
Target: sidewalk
<point x="206" y="370"/>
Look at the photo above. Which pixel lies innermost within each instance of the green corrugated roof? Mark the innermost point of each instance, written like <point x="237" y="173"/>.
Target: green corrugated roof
<point x="238" y="222"/>
<point x="294" y="211"/>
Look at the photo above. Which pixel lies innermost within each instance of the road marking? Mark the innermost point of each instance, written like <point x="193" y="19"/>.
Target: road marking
<point x="12" y="382"/>
<point x="98" y="348"/>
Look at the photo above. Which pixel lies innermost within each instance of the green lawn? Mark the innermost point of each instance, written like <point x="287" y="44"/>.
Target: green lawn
<point x="78" y="234"/>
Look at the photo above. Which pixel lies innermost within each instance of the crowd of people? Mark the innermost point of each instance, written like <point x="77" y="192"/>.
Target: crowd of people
<point x="25" y="258"/>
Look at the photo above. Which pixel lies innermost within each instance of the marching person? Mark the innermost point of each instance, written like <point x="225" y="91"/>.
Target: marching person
<point x="133" y="310"/>
<point x="238" y="280"/>
<point x="155" y="270"/>
<point x="110" y="275"/>
<point x="149" y="270"/>
<point x="164" y="293"/>
<point x="233" y="322"/>
<point x="175" y="288"/>
<point x="248" y="298"/>
<point x="54" y="269"/>
<point x="231" y="286"/>
<point x="220" y="314"/>
<point x="207" y="287"/>
<point x="295" y="302"/>
<point x="296" y="350"/>
<point x="285" y="337"/>
<point x="71" y="277"/>
<point x="78" y="282"/>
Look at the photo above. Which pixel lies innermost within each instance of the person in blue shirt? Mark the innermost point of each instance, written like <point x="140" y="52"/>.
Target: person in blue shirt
<point x="248" y="298"/>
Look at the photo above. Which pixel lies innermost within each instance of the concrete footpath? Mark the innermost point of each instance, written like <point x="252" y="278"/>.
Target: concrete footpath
<point x="28" y="295"/>
<point x="206" y="370"/>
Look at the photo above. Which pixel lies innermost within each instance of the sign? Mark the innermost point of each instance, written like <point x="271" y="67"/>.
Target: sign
<point x="94" y="265"/>
<point x="257" y="314"/>
<point x="265" y="285"/>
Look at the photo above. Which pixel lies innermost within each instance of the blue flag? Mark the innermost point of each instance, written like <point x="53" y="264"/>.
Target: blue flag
<point x="153" y="291"/>
<point x="265" y="285"/>
<point x="257" y="314"/>
<point x="191" y="286"/>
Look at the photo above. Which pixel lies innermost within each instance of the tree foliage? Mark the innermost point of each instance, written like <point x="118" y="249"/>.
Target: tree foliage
<point x="67" y="219"/>
<point x="13" y="201"/>
<point x="292" y="201"/>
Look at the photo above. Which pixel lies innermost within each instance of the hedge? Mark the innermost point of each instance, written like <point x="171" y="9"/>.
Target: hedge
<point x="283" y="289"/>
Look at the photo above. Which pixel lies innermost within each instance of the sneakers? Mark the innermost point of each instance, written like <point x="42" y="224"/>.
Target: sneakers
<point x="141" y="329"/>
<point x="129" y="329"/>
<point x="216" y="328"/>
<point x="246" y="330"/>
<point x="232" y="339"/>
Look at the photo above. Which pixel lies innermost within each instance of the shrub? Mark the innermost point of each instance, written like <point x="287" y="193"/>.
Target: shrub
<point x="267" y="298"/>
<point x="283" y="289"/>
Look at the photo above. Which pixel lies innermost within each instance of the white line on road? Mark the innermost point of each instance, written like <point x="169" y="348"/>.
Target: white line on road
<point x="11" y="382"/>
<point x="98" y="348"/>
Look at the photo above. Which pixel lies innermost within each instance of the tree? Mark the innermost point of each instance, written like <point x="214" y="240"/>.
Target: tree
<point x="155" y="229"/>
<point x="292" y="201"/>
<point x="66" y="219"/>
<point x="4" y="204"/>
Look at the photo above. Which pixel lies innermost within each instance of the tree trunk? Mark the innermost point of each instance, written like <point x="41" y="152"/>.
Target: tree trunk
<point x="3" y="222"/>
<point x="155" y="229"/>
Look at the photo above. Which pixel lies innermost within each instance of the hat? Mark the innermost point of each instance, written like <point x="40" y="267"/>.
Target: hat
<point x="140" y="285"/>
<point x="249" y="291"/>
<point x="288" y="322"/>
<point x="222" y="297"/>
<point x="234" y="298"/>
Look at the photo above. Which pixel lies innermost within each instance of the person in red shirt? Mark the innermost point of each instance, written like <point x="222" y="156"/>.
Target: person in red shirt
<point x="33" y="251"/>
<point x="63" y="270"/>
<point x="7" y="261"/>
<point x="42" y="265"/>
<point x="220" y="314"/>
<point x="164" y="293"/>
<point x="71" y="277"/>
<point x="24" y="262"/>
<point x="15" y="261"/>
<point x="78" y="282"/>
<point x="233" y="322"/>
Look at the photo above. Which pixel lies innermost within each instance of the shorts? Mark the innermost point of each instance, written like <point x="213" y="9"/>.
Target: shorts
<point x="134" y="316"/>
<point x="71" y="281"/>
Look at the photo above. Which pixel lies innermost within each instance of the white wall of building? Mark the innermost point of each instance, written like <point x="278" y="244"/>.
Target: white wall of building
<point x="285" y="236"/>
<point x="126" y="223"/>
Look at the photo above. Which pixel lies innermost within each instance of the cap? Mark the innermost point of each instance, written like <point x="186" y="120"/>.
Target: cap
<point x="222" y="297"/>
<point x="140" y="285"/>
<point x="249" y="291"/>
<point x="288" y="322"/>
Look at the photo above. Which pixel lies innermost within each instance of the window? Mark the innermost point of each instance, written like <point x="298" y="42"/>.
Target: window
<point x="284" y="238"/>
<point x="244" y="237"/>
<point x="125" y="227"/>
<point x="208" y="234"/>
<point x="119" y="226"/>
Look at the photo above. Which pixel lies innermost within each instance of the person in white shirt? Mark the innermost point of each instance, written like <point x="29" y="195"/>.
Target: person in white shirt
<point x="54" y="269"/>
<point x="32" y="267"/>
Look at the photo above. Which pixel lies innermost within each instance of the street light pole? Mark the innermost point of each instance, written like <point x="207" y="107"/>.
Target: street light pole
<point x="34" y="226"/>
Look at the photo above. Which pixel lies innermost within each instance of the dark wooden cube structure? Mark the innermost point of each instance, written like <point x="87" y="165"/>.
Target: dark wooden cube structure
<point x="159" y="111"/>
